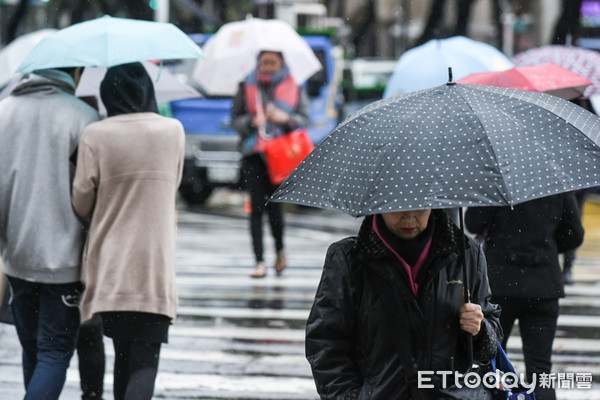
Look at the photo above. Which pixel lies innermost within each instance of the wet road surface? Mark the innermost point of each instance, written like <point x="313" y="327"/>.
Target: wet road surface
<point x="243" y="338"/>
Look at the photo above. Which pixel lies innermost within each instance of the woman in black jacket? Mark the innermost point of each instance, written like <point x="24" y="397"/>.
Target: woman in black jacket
<point x="391" y="303"/>
<point x="522" y="245"/>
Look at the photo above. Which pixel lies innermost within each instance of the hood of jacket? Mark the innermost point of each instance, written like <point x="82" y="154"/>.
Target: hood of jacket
<point x="40" y="124"/>
<point x="126" y="89"/>
<point x="46" y="81"/>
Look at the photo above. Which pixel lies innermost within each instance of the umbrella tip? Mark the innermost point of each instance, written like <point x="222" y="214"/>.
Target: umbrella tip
<point x="450" y="82"/>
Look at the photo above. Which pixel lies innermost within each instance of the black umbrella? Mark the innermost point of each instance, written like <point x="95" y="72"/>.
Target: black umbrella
<point x="450" y="146"/>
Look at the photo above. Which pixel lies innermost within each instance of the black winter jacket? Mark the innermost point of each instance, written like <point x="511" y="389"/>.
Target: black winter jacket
<point x="364" y="303"/>
<point x="522" y="244"/>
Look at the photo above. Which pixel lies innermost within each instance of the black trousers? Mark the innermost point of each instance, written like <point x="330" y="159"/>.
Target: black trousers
<point x="137" y="338"/>
<point x="136" y="367"/>
<point x="537" y="325"/>
<point x="92" y="361"/>
<point x="260" y="188"/>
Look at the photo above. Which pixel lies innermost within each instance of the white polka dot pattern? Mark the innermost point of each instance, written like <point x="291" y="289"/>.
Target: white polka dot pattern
<point x="450" y="146"/>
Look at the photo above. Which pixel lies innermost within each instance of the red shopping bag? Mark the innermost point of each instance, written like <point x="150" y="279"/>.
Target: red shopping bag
<point x="284" y="153"/>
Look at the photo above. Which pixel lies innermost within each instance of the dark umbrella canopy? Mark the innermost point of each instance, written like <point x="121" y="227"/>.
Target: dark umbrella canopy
<point x="450" y="146"/>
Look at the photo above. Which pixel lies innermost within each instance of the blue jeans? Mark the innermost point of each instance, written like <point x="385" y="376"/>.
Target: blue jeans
<point x="47" y="321"/>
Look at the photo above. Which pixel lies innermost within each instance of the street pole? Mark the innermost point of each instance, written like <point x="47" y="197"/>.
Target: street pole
<point x="161" y="11"/>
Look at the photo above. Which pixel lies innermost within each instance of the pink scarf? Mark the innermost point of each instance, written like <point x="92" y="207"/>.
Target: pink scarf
<point x="412" y="271"/>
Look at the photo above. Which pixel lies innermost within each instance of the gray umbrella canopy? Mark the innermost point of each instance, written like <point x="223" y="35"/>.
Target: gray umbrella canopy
<point x="451" y="146"/>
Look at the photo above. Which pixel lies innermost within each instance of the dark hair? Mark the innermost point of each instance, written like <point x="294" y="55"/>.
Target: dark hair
<point x="280" y="54"/>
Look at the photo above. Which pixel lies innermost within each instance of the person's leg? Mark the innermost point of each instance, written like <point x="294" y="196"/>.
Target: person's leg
<point x="257" y="204"/>
<point x="462" y="19"/>
<point x="143" y="368"/>
<point x="568" y="22"/>
<point x="253" y="182"/>
<point x="434" y="20"/>
<point x="276" y="221"/>
<point x="25" y="310"/>
<point x="275" y="211"/>
<point x="121" y="368"/>
<point x="259" y="186"/>
<point x="57" y="337"/>
<point x="538" y="327"/>
<point x="92" y="361"/>
<point x="510" y="312"/>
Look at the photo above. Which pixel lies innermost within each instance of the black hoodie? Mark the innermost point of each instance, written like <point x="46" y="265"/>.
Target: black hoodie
<point x="126" y="89"/>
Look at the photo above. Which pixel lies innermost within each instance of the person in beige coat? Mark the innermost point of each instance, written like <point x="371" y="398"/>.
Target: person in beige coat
<point x="129" y="167"/>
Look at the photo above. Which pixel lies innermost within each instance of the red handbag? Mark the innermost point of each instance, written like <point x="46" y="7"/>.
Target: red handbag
<point x="284" y="153"/>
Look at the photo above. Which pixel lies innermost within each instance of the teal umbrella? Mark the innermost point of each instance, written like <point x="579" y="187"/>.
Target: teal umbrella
<point x="108" y="41"/>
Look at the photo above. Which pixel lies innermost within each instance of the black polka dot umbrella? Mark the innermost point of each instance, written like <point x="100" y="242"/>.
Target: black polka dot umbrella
<point x="450" y="146"/>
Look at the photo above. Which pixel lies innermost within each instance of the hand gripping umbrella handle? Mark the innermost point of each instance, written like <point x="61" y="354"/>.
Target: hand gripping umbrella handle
<point x="463" y="245"/>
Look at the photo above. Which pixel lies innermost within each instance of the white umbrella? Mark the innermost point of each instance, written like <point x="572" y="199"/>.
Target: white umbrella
<point x="13" y="54"/>
<point x="166" y="86"/>
<point x="230" y="55"/>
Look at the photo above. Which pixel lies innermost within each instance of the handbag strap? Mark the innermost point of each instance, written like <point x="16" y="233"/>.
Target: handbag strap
<point x="501" y="361"/>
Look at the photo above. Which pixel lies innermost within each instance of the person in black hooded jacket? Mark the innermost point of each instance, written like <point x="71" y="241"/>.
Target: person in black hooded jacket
<point x="522" y="245"/>
<point x="129" y="166"/>
<point x="391" y="303"/>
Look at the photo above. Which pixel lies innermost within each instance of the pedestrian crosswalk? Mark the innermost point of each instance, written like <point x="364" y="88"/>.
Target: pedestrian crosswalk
<point x="241" y="338"/>
<point x="250" y="331"/>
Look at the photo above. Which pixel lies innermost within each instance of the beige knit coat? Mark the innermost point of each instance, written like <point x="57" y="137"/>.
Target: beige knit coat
<point x="128" y="170"/>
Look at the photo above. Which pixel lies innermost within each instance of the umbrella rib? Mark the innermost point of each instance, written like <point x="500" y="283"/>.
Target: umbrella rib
<point x="491" y="148"/>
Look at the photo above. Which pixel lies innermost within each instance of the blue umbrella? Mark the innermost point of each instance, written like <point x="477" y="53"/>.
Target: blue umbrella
<point x="426" y="66"/>
<point x="108" y="41"/>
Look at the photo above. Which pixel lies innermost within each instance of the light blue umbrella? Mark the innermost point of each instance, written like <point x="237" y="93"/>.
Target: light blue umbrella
<point x="108" y="41"/>
<point x="426" y="66"/>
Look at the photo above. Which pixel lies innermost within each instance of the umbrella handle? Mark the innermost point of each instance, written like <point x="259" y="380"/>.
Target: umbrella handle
<point x="469" y="353"/>
<point x="463" y="244"/>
